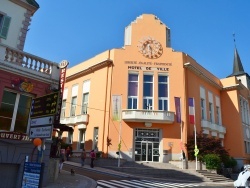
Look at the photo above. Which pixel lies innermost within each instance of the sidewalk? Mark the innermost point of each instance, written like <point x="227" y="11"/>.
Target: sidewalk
<point x="66" y="180"/>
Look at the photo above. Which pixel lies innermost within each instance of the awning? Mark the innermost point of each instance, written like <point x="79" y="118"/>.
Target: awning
<point x="63" y="127"/>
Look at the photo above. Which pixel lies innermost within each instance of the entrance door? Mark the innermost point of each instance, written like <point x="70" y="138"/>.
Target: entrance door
<point x="147" y="145"/>
<point x="146" y="148"/>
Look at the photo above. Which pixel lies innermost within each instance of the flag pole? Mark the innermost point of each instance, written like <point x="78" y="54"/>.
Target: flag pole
<point x="195" y="143"/>
<point x="120" y="131"/>
<point x="119" y="145"/>
<point x="181" y="148"/>
<point x="191" y="104"/>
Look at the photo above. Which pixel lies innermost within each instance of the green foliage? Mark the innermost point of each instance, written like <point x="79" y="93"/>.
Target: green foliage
<point x="212" y="161"/>
<point x="206" y="145"/>
<point x="98" y="154"/>
<point x="230" y="163"/>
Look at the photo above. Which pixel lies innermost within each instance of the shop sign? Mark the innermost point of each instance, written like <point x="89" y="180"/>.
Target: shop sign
<point x="22" y="85"/>
<point x="44" y="106"/>
<point x="63" y="66"/>
<point x="14" y="136"/>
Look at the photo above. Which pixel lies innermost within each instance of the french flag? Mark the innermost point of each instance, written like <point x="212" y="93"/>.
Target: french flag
<point x="191" y="110"/>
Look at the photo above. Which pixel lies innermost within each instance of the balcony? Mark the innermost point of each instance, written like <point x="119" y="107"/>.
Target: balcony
<point x="213" y="127"/>
<point x="148" y="116"/>
<point x="29" y="65"/>
<point x="79" y="119"/>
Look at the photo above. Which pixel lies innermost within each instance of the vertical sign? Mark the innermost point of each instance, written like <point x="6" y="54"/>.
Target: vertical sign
<point x="178" y="109"/>
<point x="116" y="107"/>
<point x="63" y="66"/>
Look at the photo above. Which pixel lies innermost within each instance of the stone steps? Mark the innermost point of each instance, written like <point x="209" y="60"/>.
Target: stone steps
<point x="167" y="170"/>
<point x="213" y="177"/>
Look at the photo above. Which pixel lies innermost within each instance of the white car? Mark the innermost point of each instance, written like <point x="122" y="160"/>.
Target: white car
<point x="242" y="180"/>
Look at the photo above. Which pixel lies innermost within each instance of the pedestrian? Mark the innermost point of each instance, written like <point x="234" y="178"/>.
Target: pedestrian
<point x="61" y="159"/>
<point x="92" y="158"/>
<point x="58" y="148"/>
<point x="83" y="157"/>
<point x="68" y="151"/>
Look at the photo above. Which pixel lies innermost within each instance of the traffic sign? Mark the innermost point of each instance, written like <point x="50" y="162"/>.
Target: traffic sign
<point x="44" y="106"/>
<point x="196" y="151"/>
<point x="41" y="131"/>
<point x="41" y="121"/>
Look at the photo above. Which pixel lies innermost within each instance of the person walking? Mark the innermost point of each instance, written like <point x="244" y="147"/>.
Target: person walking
<point x="92" y="158"/>
<point x="83" y="157"/>
<point x="62" y="159"/>
<point x="68" y="151"/>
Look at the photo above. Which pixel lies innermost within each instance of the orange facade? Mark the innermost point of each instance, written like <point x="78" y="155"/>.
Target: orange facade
<point x="145" y="76"/>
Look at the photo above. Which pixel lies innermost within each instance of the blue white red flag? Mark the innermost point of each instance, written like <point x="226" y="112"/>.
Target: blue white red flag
<point x="191" y="110"/>
<point x="177" y="101"/>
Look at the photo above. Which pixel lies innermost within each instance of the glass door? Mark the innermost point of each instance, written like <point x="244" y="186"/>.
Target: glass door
<point x="146" y="148"/>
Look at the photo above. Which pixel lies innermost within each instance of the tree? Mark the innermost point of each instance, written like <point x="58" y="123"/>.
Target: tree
<point x="206" y="145"/>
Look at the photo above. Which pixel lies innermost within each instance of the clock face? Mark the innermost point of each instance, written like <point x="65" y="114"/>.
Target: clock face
<point x="150" y="48"/>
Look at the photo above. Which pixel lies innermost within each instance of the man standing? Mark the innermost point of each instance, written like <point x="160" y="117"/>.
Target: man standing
<point x="83" y="157"/>
<point x="92" y="157"/>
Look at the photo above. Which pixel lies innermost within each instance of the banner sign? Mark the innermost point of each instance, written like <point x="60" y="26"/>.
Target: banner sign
<point x="178" y="109"/>
<point x="63" y="66"/>
<point x="116" y="107"/>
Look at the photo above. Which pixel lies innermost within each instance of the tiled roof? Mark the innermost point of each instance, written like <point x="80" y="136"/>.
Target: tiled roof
<point x="33" y="3"/>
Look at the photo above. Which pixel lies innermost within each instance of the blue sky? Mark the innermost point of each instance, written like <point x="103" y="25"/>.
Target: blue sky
<point x="77" y="30"/>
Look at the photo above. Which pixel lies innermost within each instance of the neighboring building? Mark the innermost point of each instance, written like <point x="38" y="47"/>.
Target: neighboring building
<point x="145" y="76"/>
<point x="23" y="77"/>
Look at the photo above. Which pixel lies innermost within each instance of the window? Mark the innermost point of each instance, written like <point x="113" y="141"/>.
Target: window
<point x="202" y="109"/>
<point x="63" y="108"/>
<point x="73" y="106"/>
<point x="211" y="116"/>
<point x="132" y="91"/>
<point x="4" y="25"/>
<point x="14" y="111"/>
<point x="70" y="137"/>
<point x="218" y="115"/>
<point x="163" y="92"/>
<point x="82" y="138"/>
<point x="148" y="92"/>
<point x="85" y="97"/>
<point x="85" y="100"/>
<point x="244" y="110"/>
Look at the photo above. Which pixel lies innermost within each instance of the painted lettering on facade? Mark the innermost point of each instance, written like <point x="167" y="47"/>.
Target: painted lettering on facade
<point x="148" y="68"/>
<point x="147" y="63"/>
<point x="13" y="136"/>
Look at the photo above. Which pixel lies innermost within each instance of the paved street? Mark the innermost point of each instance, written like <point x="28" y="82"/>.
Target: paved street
<point x="142" y="184"/>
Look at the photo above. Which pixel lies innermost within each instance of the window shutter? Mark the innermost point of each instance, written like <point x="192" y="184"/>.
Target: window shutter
<point x="5" y="27"/>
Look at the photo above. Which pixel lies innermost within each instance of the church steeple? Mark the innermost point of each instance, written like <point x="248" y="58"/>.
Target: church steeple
<point x="237" y="65"/>
<point x="238" y="70"/>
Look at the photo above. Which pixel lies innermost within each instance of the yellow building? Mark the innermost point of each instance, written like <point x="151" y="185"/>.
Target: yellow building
<point x="140" y="81"/>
